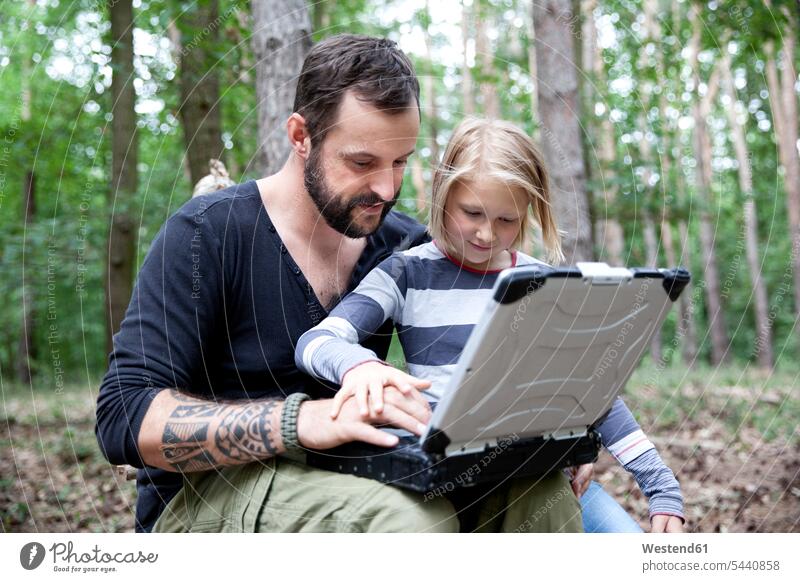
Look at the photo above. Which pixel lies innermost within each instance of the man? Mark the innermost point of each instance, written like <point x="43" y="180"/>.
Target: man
<point x="202" y="391"/>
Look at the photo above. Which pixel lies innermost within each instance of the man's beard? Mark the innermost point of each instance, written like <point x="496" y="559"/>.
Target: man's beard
<point x="338" y="213"/>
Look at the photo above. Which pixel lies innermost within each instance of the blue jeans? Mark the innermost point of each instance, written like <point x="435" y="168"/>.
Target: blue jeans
<point x="602" y="514"/>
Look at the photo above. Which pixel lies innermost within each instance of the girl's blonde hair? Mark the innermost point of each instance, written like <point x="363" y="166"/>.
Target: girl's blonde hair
<point x="489" y="149"/>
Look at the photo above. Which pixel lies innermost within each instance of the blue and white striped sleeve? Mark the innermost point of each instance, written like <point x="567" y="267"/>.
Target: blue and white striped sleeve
<point x="624" y="438"/>
<point x="332" y="348"/>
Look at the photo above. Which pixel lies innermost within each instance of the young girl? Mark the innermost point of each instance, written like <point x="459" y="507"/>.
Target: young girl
<point x="491" y="180"/>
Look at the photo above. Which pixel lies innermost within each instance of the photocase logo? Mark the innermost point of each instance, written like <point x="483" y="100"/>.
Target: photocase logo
<point x="31" y="555"/>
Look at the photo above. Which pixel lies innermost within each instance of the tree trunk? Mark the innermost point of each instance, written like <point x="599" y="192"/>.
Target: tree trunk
<point x="431" y="121"/>
<point x="532" y="73"/>
<point x="27" y="347"/>
<point x="418" y="179"/>
<point x="586" y="47"/>
<point x="686" y="330"/>
<point x="790" y="138"/>
<point x="667" y="241"/>
<point x="26" y="354"/>
<point x="665" y="189"/>
<point x="321" y="16"/>
<point x="704" y="176"/>
<point x="467" y="95"/>
<point x="558" y="104"/>
<point x="281" y="40"/>
<point x="784" y="116"/>
<point x="651" y="239"/>
<point x="611" y="237"/>
<point x="124" y="179"/>
<point x="666" y="181"/>
<point x="589" y="48"/>
<point x="174" y="35"/>
<point x="687" y="327"/>
<point x="244" y="20"/>
<point x="432" y="113"/>
<point x="485" y="58"/>
<point x="651" y="248"/>
<point x="716" y="316"/>
<point x="199" y="81"/>
<point x="609" y="234"/>
<point x="649" y="227"/>
<point x="763" y="347"/>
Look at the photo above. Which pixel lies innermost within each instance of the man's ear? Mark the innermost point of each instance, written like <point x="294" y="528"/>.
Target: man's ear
<point x="299" y="139"/>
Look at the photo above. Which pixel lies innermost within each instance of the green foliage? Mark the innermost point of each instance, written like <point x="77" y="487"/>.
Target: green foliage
<point x="350" y="16"/>
<point x="60" y="51"/>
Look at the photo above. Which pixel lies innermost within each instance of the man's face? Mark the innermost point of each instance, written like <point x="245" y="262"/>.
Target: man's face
<point x="354" y="176"/>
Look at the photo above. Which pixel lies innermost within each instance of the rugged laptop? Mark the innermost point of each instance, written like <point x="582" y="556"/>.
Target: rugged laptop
<point x="542" y="367"/>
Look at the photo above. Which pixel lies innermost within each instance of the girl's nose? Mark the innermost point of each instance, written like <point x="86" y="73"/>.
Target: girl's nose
<point x="485" y="234"/>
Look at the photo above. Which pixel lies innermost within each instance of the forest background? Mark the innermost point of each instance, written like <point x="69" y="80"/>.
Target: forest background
<point x="670" y="129"/>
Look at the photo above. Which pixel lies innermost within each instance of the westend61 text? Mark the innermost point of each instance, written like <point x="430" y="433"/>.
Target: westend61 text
<point x="675" y="549"/>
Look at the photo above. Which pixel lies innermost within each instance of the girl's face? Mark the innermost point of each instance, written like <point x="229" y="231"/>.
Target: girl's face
<point x="481" y="220"/>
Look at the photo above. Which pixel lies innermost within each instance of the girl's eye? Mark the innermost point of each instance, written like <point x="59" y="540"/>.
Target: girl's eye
<point x="508" y="220"/>
<point x="472" y="213"/>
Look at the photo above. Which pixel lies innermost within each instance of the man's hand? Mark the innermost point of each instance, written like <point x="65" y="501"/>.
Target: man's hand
<point x="666" y="524"/>
<point x="366" y="383"/>
<point x="317" y="430"/>
<point x="581" y="478"/>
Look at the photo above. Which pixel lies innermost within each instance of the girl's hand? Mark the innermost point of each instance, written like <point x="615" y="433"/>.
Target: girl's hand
<point x="666" y="524"/>
<point x="367" y="381"/>
<point x="581" y="478"/>
<point x="316" y="429"/>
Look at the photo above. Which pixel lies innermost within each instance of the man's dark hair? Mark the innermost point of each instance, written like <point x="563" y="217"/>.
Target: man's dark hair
<point x="374" y="68"/>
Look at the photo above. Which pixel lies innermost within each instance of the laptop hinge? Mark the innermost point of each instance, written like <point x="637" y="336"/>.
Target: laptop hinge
<point x="601" y="273"/>
<point x="472" y="447"/>
<point x="435" y="441"/>
<point x="572" y="433"/>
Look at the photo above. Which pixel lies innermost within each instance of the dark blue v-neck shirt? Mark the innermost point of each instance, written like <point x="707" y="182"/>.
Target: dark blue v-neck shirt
<point x="217" y="310"/>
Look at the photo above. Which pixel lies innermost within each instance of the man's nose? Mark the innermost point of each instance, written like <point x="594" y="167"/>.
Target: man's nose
<point x="382" y="184"/>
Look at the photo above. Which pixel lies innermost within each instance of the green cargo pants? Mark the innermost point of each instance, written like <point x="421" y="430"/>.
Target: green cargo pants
<point x="283" y="496"/>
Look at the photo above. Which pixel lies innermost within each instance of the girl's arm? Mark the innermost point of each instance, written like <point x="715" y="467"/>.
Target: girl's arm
<point x="329" y="350"/>
<point x="332" y="349"/>
<point x="624" y="438"/>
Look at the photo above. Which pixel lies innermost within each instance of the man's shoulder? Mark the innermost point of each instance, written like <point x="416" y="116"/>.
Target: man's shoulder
<point x="221" y="207"/>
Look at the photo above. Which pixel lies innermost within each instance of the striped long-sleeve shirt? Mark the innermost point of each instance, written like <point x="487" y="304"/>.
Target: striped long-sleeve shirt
<point x="434" y="303"/>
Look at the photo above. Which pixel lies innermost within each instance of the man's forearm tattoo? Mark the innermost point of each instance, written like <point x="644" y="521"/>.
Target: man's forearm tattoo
<point x="184" y="446"/>
<point x="245" y="433"/>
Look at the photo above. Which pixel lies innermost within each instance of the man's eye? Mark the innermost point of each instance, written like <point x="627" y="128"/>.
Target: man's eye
<point x="359" y="164"/>
<point x="400" y="163"/>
